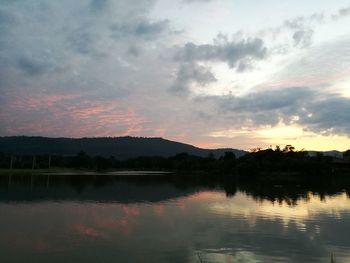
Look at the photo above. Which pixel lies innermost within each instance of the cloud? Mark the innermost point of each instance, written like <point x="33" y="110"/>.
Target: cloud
<point x="302" y="28"/>
<point x="261" y="108"/>
<point x="49" y="37"/>
<point x="98" y="6"/>
<point x="7" y="18"/>
<point x="343" y="12"/>
<point x="197" y="1"/>
<point x="191" y="73"/>
<point x="83" y="42"/>
<point x="121" y="54"/>
<point x="303" y="37"/>
<point x="233" y="53"/>
<point x="32" y="66"/>
<point x="269" y="100"/>
<point x="59" y="115"/>
<point x="328" y="115"/>
<point x="143" y="29"/>
<point x="238" y="55"/>
<point x="315" y="67"/>
<point x="67" y="47"/>
<point x="315" y="111"/>
<point x="134" y="51"/>
<point x="302" y="21"/>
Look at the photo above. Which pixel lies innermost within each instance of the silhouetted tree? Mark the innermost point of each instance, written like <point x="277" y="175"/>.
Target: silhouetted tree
<point x="82" y="160"/>
<point x="346" y="154"/>
<point x="288" y="148"/>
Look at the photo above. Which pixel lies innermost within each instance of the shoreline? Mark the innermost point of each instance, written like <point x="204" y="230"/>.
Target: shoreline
<point x="73" y="172"/>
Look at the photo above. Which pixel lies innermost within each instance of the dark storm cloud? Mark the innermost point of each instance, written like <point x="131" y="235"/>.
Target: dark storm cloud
<point x="232" y="53"/>
<point x="191" y="73"/>
<point x="318" y="112"/>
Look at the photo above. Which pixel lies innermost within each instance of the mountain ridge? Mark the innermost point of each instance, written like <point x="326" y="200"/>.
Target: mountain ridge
<point x="119" y="147"/>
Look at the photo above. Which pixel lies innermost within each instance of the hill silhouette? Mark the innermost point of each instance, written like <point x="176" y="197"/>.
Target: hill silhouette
<point x="119" y="147"/>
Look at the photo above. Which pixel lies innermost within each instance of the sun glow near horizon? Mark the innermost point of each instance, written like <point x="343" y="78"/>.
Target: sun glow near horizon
<point x="288" y="135"/>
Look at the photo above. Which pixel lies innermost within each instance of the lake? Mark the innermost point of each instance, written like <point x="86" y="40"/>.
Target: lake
<point x="80" y="219"/>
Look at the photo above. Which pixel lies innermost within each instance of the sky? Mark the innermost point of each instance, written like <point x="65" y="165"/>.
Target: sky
<point x="212" y="73"/>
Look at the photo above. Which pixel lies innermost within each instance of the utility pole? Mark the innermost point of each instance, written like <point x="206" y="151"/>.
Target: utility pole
<point x="49" y="161"/>
<point x="34" y="162"/>
<point x="9" y="182"/>
<point x="11" y="163"/>
<point x="48" y="181"/>
<point x="332" y="258"/>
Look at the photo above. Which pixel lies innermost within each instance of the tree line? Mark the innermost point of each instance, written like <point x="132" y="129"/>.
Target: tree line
<point x="258" y="161"/>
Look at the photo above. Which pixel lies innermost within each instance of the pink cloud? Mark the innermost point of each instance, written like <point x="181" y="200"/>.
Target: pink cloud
<point x="88" y="231"/>
<point x="130" y="211"/>
<point x="158" y="209"/>
<point x="69" y="115"/>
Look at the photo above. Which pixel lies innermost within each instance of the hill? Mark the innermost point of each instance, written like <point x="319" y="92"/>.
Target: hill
<point x="336" y="154"/>
<point x="119" y="147"/>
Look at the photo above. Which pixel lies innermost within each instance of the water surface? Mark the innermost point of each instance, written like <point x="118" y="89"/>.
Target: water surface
<point x="79" y="220"/>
